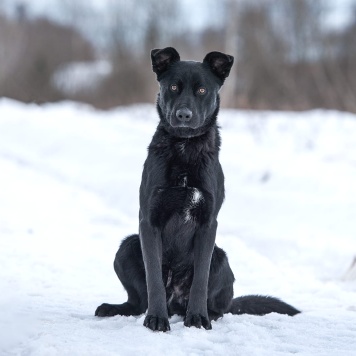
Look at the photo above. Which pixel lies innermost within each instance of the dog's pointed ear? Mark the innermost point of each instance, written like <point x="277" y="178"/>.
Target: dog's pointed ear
<point x="219" y="63"/>
<point x="163" y="58"/>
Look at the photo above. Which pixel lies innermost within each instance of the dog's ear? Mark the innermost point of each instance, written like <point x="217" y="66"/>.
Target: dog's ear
<point x="163" y="58"/>
<point x="219" y="63"/>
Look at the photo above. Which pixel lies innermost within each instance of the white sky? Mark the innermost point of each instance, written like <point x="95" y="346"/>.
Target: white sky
<point x="339" y="10"/>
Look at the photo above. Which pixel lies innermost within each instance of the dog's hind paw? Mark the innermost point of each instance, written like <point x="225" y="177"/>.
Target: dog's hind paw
<point x="156" y="323"/>
<point x="107" y="310"/>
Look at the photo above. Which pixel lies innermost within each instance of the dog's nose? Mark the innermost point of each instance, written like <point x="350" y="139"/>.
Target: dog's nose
<point x="184" y="114"/>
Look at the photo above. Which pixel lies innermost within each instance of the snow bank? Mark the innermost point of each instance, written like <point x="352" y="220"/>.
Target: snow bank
<point x="69" y="178"/>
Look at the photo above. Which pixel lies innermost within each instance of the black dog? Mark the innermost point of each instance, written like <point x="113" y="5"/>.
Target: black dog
<point x="173" y="266"/>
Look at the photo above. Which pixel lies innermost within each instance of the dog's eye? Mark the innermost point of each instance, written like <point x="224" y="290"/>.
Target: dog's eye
<point x="174" y="87"/>
<point x="201" y="91"/>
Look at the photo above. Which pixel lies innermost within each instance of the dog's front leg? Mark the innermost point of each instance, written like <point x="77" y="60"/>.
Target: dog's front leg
<point x="197" y="312"/>
<point x="151" y="243"/>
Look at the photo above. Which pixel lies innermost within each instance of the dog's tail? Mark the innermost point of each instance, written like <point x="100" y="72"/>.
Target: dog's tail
<point x="260" y="305"/>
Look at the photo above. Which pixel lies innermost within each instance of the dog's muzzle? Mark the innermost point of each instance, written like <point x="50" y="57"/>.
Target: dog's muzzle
<point x="184" y="115"/>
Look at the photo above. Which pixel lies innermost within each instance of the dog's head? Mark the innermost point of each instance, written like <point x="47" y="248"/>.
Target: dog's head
<point x="188" y="100"/>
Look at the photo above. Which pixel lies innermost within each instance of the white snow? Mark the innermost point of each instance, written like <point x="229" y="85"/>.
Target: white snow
<point x="69" y="179"/>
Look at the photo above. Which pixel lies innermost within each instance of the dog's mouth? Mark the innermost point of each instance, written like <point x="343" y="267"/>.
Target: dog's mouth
<point x="184" y="118"/>
<point x="184" y="125"/>
<point x="181" y="126"/>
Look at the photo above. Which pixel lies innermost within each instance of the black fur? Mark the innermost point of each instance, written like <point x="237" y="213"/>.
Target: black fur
<point x="173" y="265"/>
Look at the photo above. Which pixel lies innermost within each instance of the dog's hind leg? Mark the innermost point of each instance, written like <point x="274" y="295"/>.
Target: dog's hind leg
<point x="220" y="286"/>
<point x="130" y="269"/>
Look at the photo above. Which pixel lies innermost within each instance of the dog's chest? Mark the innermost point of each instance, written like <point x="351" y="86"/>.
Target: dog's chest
<point x="181" y="180"/>
<point x="185" y="175"/>
<point x="189" y="199"/>
<point x="183" y="169"/>
<point x="182" y="191"/>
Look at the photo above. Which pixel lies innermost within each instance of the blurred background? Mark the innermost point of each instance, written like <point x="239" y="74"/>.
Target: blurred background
<point x="290" y="54"/>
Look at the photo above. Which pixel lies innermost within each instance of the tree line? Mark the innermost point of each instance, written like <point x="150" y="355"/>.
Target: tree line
<point x="287" y="57"/>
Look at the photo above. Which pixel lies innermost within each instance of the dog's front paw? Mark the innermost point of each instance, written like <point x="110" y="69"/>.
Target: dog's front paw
<point x="156" y="323"/>
<point x="198" y="321"/>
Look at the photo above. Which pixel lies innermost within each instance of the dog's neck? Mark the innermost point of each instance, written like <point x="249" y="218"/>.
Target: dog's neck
<point x="188" y="149"/>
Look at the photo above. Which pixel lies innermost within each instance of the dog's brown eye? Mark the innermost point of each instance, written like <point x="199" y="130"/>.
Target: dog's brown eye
<point x="174" y="87"/>
<point x="202" y="91"/>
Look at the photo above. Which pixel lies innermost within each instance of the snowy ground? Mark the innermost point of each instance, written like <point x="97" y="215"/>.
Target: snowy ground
<point x="69" y="179"/>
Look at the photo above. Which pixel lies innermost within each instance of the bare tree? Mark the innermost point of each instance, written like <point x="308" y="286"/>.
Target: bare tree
<point x="285" y="57"/>
<point x="33" y="52"/>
